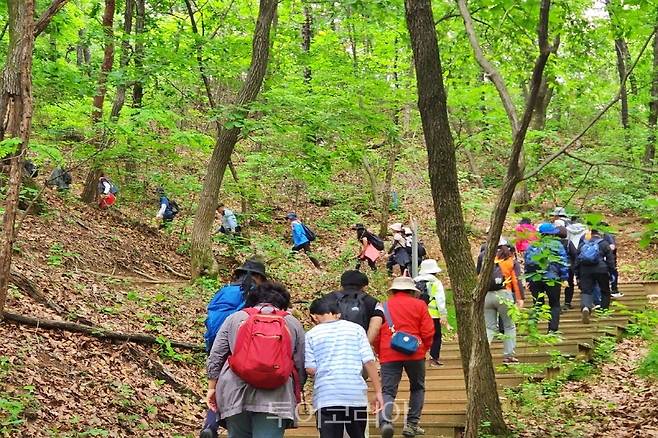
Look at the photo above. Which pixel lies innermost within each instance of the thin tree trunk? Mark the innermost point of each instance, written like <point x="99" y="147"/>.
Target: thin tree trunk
<point x="83" y="53"/>
<point x="386" y="191"/>
<point x="307" y="35"/>
<point x="108" y="60"/>
<point x="90" y="191"/>
<point x="201" y="251"/>
<point x="126" y="50"/>
<point x="650" y="148"/>
<point x="374" y="189"/>
<point x="15" y="120"/>
<point x="138" y="88"/>
<point x="621" y="70"/>
<point x="244" y="204"/>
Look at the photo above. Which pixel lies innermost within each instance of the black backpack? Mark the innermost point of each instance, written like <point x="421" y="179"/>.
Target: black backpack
<point x="310" y="234"/>
<point x="424" y="293"/>
<point x="352" y="307"/>
<point x="497" y="279"/>
<point x="175" y="209"/>
<point x="375" y="241"/>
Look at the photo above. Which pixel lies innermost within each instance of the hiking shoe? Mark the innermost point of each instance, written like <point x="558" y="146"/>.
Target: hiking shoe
<point x="596" y="307"/>
<point x="208" y="433"/>
<point x="585" y="315"/>
<point x="566" y="307"/>
<point x="435" y="363"/>
<point x="510" y="360"/>
<point x="616" y="294"/>
<point x="411" y="430"/>
<point x="387" y="430"/>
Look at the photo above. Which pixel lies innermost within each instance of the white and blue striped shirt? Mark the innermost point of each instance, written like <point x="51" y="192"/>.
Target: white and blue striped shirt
<point x="338" y="350"/>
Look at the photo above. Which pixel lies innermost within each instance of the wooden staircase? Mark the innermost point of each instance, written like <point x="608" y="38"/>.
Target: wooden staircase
<point x="445" y="397"/>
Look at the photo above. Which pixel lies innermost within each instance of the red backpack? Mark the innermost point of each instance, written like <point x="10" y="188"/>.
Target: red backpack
<point x="263" y="350"/>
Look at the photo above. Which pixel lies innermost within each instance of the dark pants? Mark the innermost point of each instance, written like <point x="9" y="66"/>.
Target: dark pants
<point x="587" y="282"/>
<point x="553" y="294"/>
<point x="255" y="425"/>
<point x="614" y="275"/>
<point x="568" y="291"/>
<point x="212" y="421"/>
<point x="371" y="263"/>
<point x="306" y="247"/>
<point x="435" y="351"/>
<point x="391" y="373"/>
<point x="335" y="420"/>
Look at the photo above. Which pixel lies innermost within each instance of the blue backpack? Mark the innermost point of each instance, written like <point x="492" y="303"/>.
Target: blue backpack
<point x="228" y="300"/>
<point x="531" y="254"/>
<point x="590" y="253"/>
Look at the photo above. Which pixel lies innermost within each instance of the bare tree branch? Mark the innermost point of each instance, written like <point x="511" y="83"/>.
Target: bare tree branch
<point x="596" y="118"/>
<point x="489" y="68"/>
<point x="610" y="164"/>
<point x="199" y="58"/>
<point x="47" y="15"/>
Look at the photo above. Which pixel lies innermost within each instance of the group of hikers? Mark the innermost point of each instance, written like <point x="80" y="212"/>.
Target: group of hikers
<point x="260" y="356"/>
<point x="559" y="252"/>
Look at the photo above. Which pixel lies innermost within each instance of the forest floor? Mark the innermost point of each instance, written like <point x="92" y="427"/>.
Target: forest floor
<point x="114" y="269"/>
<point x="613" y="402"/>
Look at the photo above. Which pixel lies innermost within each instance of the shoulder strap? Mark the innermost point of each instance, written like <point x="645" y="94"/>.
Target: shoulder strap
<point x="389" y="320"/>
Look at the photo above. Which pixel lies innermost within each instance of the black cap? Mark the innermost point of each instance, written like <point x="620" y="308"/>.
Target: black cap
<point x="354" y="278"/>
<point x="253" y="266"/>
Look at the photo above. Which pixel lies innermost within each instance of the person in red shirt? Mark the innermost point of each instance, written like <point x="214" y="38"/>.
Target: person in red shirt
<point x="409" y="315"/>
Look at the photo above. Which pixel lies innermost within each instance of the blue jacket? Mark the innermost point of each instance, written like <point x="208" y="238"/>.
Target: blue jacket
<point x="298" y="234"/>
<point x="555" y="270"/>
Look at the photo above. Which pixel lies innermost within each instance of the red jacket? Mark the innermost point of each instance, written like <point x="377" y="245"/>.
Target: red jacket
<point x="410" y="315"/>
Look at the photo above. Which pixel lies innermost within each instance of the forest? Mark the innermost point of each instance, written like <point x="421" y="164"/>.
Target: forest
<point x="455" y="118"/>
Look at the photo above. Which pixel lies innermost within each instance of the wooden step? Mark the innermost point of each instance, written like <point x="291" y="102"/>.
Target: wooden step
<point x="432" y="429"/>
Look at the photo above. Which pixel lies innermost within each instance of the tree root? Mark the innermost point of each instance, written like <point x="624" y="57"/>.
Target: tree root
<point x="95" y="331"/>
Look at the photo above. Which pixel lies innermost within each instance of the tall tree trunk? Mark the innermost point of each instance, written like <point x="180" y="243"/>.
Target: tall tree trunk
<point x="90" y="191"/>
<point x="126" y="50"/>
<point x="307" y="35"/>
<point x="470" y="291"/>
<point x="201" y="251"/>
<point x="650" y="148"/>
<point x="621" y="70"/>
<point x="450" y="223"/>
<point x="140" y="20"/>
<point x="374" y="187"/>
<point x="15" y="120"/>
<point x="108" y="60"/>
<point x="545" y="94"/>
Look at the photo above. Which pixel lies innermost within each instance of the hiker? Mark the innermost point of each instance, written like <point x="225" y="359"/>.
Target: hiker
<point x="431" y="291"/>
<point x="526" y="233"/>
<point x="576" y="236"/>
<point x="258" y="356"/>
<point x="228" y="300"/>
<point x="545" y="276"/>
<point x="107" y="192"/>
<point x="230" y="223"/>
<point x="336" y="352"/>
<point x="302" y="237"/>
<point x="356" y="305"/>
<point x="371" y="245"/>
<point x="560" y="213"/>
<point x="59" y="178"/>
<point x="168" y="209"/>
<point x="398" y="254"/>
<point x="402" y="344"/>
<point x="594" y="263"/>
<point x="505" y="289"/>
<point x="614" y="274"/>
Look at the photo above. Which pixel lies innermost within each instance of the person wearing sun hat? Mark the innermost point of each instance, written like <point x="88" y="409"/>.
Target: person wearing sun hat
<point x="546" y="274"/>
<point x="407" y="316"/>
<point x="398" y="254"/>
<point x="432" y="292"/>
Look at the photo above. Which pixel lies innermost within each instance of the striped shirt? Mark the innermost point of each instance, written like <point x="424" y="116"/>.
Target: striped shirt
<point x="337" y="350"/>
